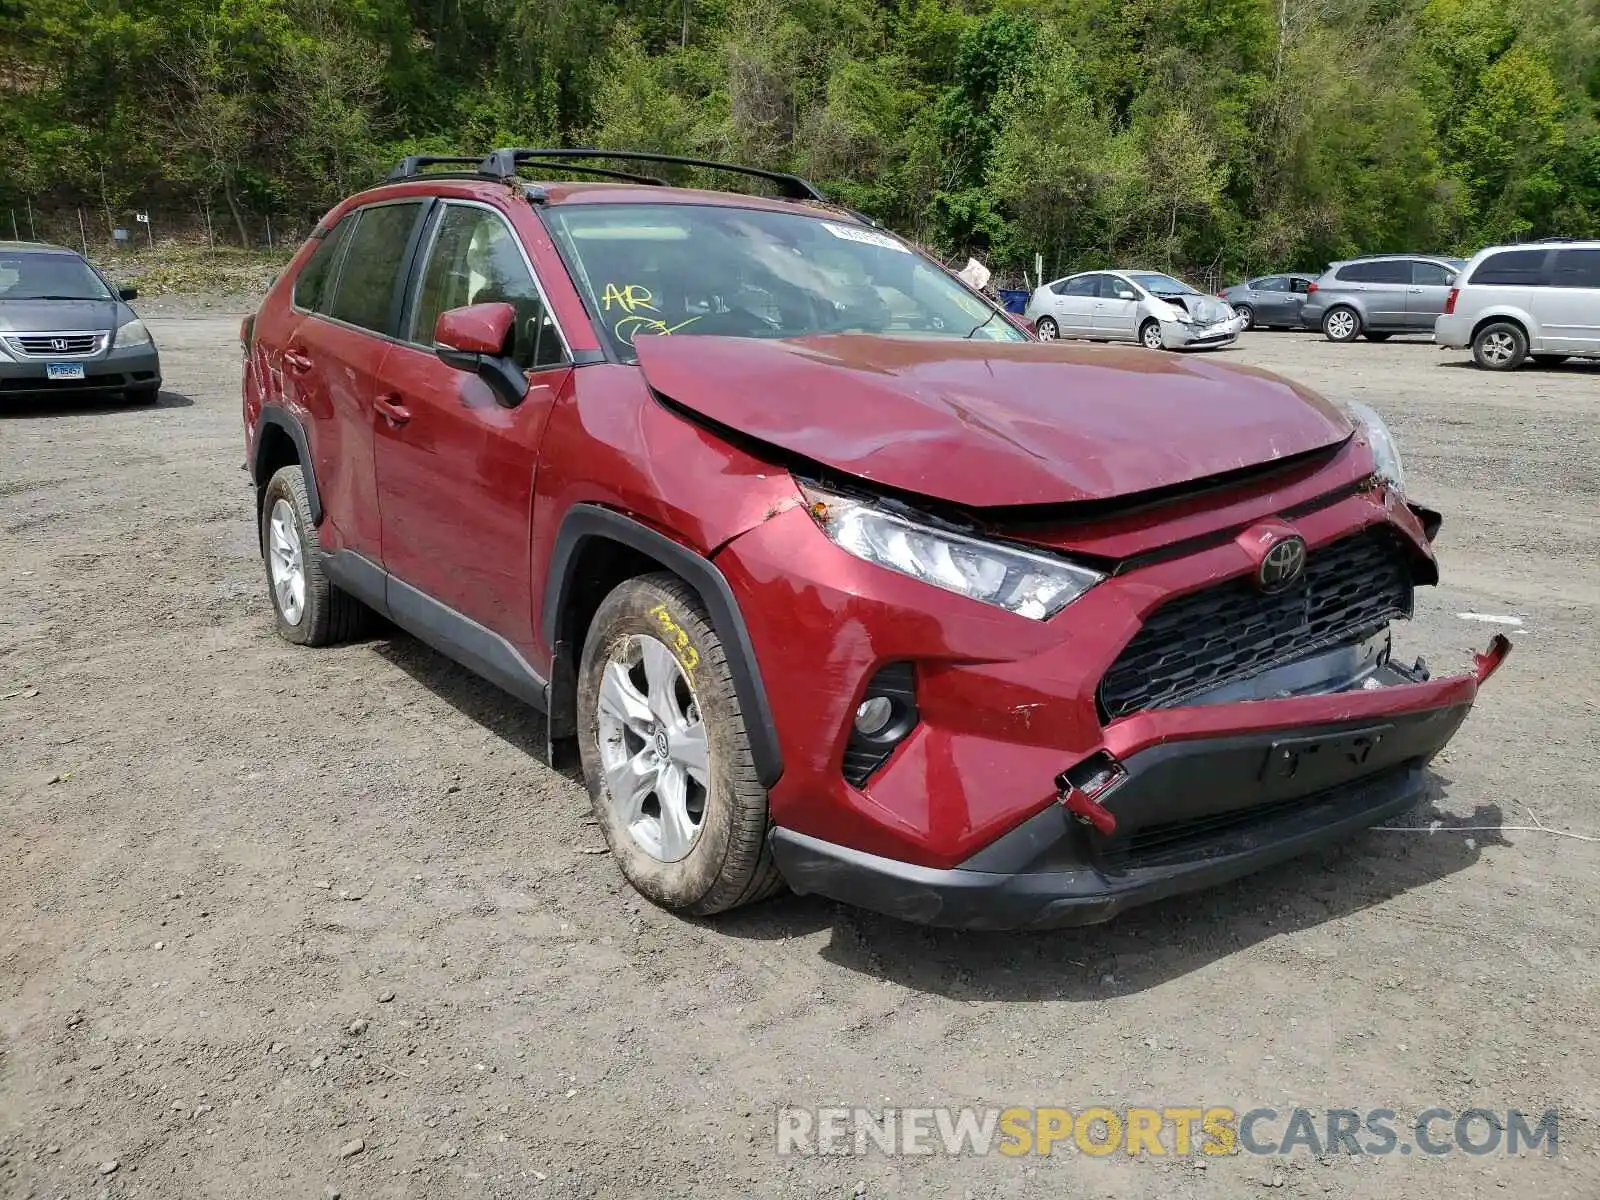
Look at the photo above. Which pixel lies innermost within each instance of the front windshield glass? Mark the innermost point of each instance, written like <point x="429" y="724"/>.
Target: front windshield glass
<point x="1161" y="285"/>
<point x="48" y="277"/>
<point x="649" y="270"/>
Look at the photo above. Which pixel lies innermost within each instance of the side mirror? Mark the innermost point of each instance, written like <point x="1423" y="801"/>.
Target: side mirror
<point x="475" y="339"/>
<point x="1124" y="294"/>
<point x="127" y="293"/>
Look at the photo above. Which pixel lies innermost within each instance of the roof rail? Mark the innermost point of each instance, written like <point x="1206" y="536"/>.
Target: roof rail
<point x="503" y="164"/>
<point x="600" y="172"/>
<point x="414" y="164"/>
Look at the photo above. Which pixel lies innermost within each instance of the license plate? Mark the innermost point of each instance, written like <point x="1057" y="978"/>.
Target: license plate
<point x="63" y="371"/>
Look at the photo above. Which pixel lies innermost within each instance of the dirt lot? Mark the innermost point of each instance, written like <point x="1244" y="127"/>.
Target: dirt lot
<point x="221" y="851"/>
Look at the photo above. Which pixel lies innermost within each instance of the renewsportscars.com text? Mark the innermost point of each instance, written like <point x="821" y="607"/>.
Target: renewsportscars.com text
<point x="1179" y="1130"/>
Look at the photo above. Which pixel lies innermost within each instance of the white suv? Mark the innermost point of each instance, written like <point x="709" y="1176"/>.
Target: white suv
<point x="1510" y="302"/>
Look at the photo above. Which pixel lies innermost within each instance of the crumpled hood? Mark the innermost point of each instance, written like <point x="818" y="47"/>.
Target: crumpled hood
<point x="52" y="316"/>
<point x="1204" y="309"/>
<point x="985" y="424"/>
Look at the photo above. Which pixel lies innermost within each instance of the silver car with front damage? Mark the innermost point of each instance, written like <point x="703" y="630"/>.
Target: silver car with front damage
<point x="1147" y="307"/>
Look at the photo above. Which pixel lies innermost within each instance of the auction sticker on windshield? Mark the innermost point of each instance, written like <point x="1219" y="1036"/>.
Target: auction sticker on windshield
<point x="870" y="237"/>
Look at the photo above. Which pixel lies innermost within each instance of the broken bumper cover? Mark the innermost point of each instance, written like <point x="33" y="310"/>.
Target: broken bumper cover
<point x="1181" y="335"/>
<point x="1204" y="800"/>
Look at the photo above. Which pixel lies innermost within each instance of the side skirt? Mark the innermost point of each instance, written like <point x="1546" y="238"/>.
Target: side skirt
<point x="459" y="637"/>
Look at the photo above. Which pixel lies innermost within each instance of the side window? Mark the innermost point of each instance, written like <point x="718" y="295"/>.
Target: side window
<point x="476" y="259"/>
<point x="1273" y="283"/>
<point x="1080" y="285"/>
<point x="1110" y="286"/>
<point x="1512" y="268"/>
<point x="365" y="292"/>
<point x="1299" y="286"/>
<point x="1431" y="274"/>
<point x="1361" y="272"/>
<point x="1576" y="269"/>
<point x="311" y="285"/>
<point x="1392" y="270"/>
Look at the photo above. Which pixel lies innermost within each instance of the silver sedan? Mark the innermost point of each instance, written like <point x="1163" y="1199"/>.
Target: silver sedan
<point x="1155" y="310"/>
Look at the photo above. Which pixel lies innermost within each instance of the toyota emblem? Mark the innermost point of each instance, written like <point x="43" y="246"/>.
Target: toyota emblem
<point x="1283" y="564"/>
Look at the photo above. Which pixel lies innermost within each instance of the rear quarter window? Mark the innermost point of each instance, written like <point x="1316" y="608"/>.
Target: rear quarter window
<point x="1511" y="268"/>
<point x="311" y="285"/>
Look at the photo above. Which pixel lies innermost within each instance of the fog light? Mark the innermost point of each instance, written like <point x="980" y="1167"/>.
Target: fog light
<point x="874" y="715"/>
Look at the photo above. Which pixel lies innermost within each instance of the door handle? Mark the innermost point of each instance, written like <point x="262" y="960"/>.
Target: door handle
<point x="393" y="412"/>
<point x="297" y="361"/>
<point x="1416" y="291"/>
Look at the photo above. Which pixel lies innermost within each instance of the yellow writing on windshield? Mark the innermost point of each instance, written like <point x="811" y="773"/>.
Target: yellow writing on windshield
<point x="630" y="297"/>
<point x="635" y="301"/>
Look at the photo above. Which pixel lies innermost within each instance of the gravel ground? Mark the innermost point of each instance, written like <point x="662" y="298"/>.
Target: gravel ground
<point x="285" y="923"/>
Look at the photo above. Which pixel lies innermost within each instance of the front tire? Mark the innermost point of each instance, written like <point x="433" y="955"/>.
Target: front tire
<point x="1047" y="329"/>
<point x="1150" y="335"/>
<point x="310" y="610"/>
<point x="1500" y="346"/>
<point x="665" y="754"/>
<point x="1341" y="324"/>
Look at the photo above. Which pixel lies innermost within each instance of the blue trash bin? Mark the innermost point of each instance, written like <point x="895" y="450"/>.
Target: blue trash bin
<point x="1013" y="301"/>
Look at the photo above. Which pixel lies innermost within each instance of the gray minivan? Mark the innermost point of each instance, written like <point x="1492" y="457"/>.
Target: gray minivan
<point x="1379" y="295"/>
<point x="1514" y="302"/>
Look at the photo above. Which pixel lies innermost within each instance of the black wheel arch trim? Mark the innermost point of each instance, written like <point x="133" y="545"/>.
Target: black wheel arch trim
<point x="282" y="418"/>
<point x="584" y="522"/>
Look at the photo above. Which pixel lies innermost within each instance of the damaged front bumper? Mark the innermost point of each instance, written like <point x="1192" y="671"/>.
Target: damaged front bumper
<point x="1184" y="335"/>
<point x="1179" y="799"/>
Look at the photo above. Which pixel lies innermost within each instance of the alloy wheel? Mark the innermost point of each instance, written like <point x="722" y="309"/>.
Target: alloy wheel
<point x="1341" y="325"/>
<point x="653" y="751"/>
<point x="1151" y="337"/>
<point x="286" y="562"/>
<point x="1499" y="347"/>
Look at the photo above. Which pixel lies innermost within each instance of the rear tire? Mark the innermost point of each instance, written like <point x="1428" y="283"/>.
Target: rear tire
<point x="1341" y="324"/>
<point x="1248" y="313"/>
<point x="309" y="609"/>
<point x="1046" y="329"/>
<point x="1499" y="346"/>
<point x="659" y="720"/>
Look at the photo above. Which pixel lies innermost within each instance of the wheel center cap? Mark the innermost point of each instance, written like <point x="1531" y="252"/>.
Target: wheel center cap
<point x="661" y="743"/>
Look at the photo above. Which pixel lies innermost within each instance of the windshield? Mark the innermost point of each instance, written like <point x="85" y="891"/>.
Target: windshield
<point x="648" y="270"/>
<point x="1161" y="285"/>
<point x="48" y="277"/>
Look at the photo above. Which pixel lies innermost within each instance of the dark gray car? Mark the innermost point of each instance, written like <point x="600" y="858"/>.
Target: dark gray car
<point x="1270" y="301"/>
<point x="65" y="331"/>
<point x="1380" y="295"/>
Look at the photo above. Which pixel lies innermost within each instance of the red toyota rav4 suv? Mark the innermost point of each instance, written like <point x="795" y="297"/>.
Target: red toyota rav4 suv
<point x="837" y="579"/>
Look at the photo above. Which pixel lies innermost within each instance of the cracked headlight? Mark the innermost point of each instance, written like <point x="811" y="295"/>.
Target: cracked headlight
<point x="1031" y="585"/>
<point x="132" y="334"/>
<point x="1385" y="453"/>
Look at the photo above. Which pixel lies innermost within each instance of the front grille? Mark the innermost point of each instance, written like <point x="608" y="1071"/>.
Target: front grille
<point x="1351" y="588"/>
<point x="46" y="345"/>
